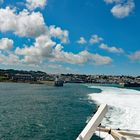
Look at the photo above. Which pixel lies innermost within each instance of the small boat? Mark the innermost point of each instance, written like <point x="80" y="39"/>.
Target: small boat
<point x="130" y="84"/>
<point x="58" y="82"/>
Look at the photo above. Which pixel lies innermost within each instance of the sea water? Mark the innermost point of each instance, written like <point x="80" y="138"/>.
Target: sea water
<point x="41" y="112"/>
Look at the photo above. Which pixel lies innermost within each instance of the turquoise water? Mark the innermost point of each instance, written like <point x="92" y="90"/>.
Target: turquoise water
<point x="40" y="112"/>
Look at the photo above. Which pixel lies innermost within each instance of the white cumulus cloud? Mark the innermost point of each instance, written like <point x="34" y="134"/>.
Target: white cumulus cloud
<point x="22" y="24"/>
<point x="41" y="49"/>
<point x="57" y="32"/>
<point x="29" y="24"/>
<point x="95" y="39"/>
<point x="9" y="59"/>
<point x="6" y="44"/>
<point x="135" y="56"/>
<point x="82" y="41"/>
<point x="111" y="49"/>
<point x="80" y="58"/>
<point x="45" y="49"/>
<point x="123" y="10"/>
<point x="33" y="4"/>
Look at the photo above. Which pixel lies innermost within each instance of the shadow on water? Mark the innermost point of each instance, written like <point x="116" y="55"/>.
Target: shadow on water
<point x="40" y="112"/>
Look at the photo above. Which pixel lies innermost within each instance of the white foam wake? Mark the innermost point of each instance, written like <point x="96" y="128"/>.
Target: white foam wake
<point x="124" y="107"/>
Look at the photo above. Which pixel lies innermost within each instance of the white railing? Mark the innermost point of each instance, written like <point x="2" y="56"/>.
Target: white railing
<point x="95" y="121"/>
<point x="93" y="126"/>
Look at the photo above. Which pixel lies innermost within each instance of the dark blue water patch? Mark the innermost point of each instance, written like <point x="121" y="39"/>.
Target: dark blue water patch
<point x="135" y="88"/>
<point x="40" y="112"/>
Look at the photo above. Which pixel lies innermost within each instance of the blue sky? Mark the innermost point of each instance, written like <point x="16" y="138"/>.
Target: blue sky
<point x="71" y="36"/>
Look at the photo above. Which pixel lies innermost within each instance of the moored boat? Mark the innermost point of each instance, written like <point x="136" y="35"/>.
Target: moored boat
<point x="129" y="84"/>
<point x="58" y="82"/>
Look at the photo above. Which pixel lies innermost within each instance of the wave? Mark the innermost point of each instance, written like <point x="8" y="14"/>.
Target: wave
<point x="124" y="107"/>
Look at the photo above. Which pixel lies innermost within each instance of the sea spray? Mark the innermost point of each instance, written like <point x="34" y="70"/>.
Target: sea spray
<point x="124" y="107"/>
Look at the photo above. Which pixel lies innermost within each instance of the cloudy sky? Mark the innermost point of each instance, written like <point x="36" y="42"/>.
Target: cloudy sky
<point x="71" y="36"/>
